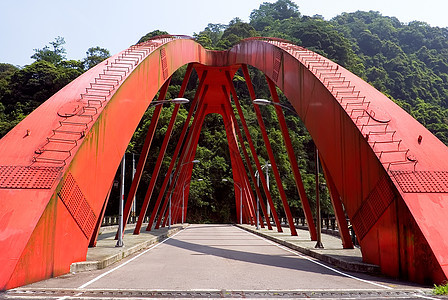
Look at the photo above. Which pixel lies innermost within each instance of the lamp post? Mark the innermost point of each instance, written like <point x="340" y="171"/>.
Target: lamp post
<point x="258" y="200"/>
<point x="265" y="102"/>
<point x="241" y="197"/>
<point x="266" y="166"/>
<point x="318" y="216"/>
<point x="183" y="197"/>
<point x="172" y="190"/>
<point x="120" y="208"/>
<point x="133" y="208"/>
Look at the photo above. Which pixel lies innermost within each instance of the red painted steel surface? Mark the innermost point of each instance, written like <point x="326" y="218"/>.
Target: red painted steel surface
<point x="143" y="157"/>
<point x="56" y="166"/>
<point x="293" y="161"/>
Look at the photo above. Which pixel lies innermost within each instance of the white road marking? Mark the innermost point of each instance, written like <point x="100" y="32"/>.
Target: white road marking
<point x="125" y="263"/>
<point x="316" y="262"/>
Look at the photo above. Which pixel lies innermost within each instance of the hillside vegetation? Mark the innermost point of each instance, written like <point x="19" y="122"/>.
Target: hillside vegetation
<point x="407" y="62"/>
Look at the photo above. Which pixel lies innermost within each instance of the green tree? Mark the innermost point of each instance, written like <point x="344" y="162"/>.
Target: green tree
<point x="150" y="35"/>
<point x="94" y="56"/>
<point x="55" y="55"/>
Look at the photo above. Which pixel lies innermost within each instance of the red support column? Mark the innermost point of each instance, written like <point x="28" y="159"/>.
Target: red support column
<point x="270" y="153"/>
<point x="162" y="153"/>
<point x="155" y="173"/>
<point x="240" y="169"/>
<point x="194" y="131"/>
<point x="176" y="152"/>
<point x="293" y="161"/>
<point x="254" y="153"/>
<point x="248" y="162"/>
<point x="94" y="237"/>
<point x="338" y="209"/>
<point x="144" y="154"/>
<point x="184" y="170"/>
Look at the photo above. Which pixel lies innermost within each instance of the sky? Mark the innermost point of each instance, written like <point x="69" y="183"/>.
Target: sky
<point x="115" y="25"/>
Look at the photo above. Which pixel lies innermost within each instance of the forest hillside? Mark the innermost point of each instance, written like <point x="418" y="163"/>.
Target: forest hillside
<point x="408" y="62"/>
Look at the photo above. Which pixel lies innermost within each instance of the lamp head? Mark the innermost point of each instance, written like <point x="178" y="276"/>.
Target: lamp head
<point x="263" y="102"/>
<point x="180" y="101"/>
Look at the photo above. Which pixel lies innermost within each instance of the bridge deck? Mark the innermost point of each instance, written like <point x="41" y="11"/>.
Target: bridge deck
<point x="216" y="257"/>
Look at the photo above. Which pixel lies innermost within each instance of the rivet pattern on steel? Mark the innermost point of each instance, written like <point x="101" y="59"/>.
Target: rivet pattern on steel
<point x="422" y="181"/>
<point x="26" y="177"/>
<point x="77" y="205"/>
<point x="373" y="207"/>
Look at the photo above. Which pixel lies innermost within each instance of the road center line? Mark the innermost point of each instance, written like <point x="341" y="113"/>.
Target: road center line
<point x="316" y="262"/>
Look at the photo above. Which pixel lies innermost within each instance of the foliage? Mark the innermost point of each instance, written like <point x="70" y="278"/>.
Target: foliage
<point x="440" y="289"/>
<point x="407" y="62"/>
<point x="55" y="55"/>
<point x="22" y="89"/>
<point x="150" y="35"/>
<point x="95" y="55"/>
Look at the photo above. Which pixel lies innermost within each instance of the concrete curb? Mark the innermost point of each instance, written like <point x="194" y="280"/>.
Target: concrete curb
<point x="125" y="252"/>
<point x="340" y="263"/>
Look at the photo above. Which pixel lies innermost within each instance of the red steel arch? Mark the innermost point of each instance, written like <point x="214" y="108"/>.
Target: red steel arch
<point x="57" y="165"/>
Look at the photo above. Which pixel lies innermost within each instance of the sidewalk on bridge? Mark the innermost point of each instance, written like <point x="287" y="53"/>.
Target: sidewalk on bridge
<point x="105" y="253"/>
<point x="332" y="253"/>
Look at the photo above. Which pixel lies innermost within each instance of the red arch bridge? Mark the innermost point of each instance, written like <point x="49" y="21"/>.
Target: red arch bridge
<point x="56" y="166"/>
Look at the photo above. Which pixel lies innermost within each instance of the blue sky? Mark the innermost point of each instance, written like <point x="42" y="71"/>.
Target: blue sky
<point x="115" y="25"/>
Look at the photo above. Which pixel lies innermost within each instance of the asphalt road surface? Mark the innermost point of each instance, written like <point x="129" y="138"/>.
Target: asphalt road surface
<point x="218" y="261"/>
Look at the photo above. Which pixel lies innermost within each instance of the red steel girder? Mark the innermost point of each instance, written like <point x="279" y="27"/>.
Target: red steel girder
<point x="270" y="153"/>
<point x="193" y="135"/>
<point x="143" y="156"/>
<point x="293" y="161"/>
<point x="388" y="169"/>
<point x="199" y="90"/>
<point x="163" y="148"/>
<point x="95" y="233"/>
<point x="254" y="154"/>
<point x="338" y="209"/>
<point x="240" y="170"/>
<point x="248" y="162"/>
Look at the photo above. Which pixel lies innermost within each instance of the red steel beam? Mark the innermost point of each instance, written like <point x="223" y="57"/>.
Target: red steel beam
<point x="338" y="209"/>
<point x="144" y="155"/>
<point x="293" y="160"/>
<point x="270" y="153"/>
<point x="95" y="233"/>
<point x="187" y="145"/>
<point x="184" y="168"/>
<point x="248" y="162"/>
<point x="246" y="188"/>
<point x="194" y="131"/>
<point x="247" y="211"/>
<point x="254" y="153"/>
<point x="199" y="90"/>
<point x="155" y="173"/>
<point x="166" y="140"/>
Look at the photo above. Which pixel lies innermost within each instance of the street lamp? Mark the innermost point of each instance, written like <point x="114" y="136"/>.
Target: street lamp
<point x="241" y="197"/>
<point x="183" y="197"/>
<point x="267" y="165"/>
<point x="175" y="101"/>
<point x="265" y="102"/>
<point x="120" y="208"/>
<point x="171" y="194"/>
